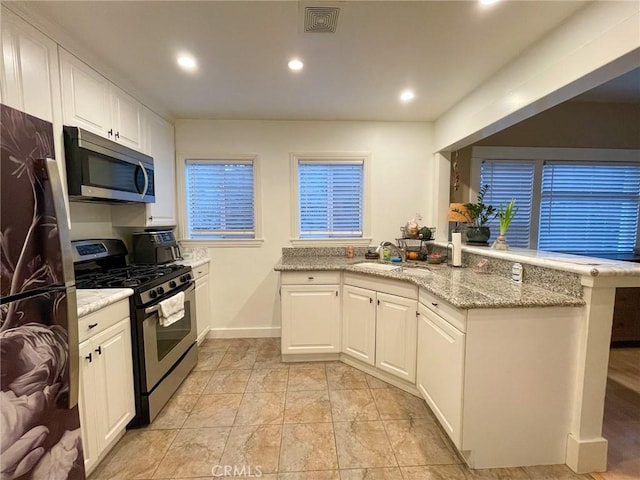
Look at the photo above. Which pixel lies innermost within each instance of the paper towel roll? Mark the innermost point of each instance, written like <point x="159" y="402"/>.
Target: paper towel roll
<point x="456" y="240"/>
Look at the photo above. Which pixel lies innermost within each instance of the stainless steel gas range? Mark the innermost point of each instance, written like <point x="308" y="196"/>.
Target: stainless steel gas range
<point x="162" y="355"/>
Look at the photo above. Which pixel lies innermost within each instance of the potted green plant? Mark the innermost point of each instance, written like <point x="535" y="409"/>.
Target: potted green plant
<point x="505" y="216"/>
<point x="479" y="214"/>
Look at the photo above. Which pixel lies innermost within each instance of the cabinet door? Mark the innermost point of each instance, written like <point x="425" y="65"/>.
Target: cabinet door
<point x="87" y="407"/>
<point x="359" y="323"/>
<point x="29" y="68"/>
<point x="160" y="145"/>
<point x="126" y="118"/>
<point x="310" y="319"/>
<point x="441" y="370"/>
<point x="396" y="335"/>
<point x="203" y="307"/>
<point x="85" y="96"/>
<point x="114" y="378"/>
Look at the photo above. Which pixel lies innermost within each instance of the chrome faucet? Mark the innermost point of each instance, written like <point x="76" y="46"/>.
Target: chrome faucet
<point x="400" y="252"/>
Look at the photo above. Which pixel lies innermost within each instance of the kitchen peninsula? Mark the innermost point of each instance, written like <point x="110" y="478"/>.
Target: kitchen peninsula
<point x="515" y="373"/>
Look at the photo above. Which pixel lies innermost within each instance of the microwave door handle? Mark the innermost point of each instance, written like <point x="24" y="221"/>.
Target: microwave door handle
<point x="146" y="180"/>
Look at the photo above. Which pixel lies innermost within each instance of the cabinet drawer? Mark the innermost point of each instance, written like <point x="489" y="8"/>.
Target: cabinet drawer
<point x="310" y="278"/>
<point x="383" y="285"/>
<point x="457" y="318"/>
<point x="200" y="271"/>
<point x="102" y="319"/>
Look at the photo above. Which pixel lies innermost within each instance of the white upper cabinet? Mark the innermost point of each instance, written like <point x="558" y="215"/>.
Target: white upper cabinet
<point x="91" y="102"/>
<point x="85" y="96"/>
<point x="159" y="144"/>
<point x="29" y="69"/>
<point x="126" y="119"/>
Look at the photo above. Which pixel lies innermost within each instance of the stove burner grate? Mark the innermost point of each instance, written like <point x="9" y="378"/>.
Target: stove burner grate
<point x="133" y="276"/>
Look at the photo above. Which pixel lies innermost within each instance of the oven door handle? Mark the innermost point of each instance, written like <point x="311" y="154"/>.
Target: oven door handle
<point x="149" y="310"/>
<point x="156" y="307"/>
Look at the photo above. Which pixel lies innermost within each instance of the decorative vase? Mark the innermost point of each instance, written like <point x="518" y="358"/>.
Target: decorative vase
<point x="501" y="243"/>
<point x="478" y="235"/>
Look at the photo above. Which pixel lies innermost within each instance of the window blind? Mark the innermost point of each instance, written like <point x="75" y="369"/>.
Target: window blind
<point x="330" y="198"/>
<point x="220" y="199"/>
<point x="508" y="180"/>
<point x="590" y="207"/>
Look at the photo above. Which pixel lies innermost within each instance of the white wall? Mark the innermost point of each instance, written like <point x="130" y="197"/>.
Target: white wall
<point x="244" y="286"/>
<point x="599" y="43"/>
<point x="90" y="220"/>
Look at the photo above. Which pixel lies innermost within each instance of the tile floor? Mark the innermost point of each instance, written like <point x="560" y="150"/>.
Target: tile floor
<point x="241" y="407"/>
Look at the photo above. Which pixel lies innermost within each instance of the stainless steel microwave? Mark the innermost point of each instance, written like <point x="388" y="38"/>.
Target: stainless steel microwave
<point x="101" y="170"/>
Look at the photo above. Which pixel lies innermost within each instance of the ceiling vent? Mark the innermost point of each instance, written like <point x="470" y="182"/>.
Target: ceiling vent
<point x="321" y="19"/>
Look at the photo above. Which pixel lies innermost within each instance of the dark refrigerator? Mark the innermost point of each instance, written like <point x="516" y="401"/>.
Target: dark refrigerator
<point x="39" y="422"/>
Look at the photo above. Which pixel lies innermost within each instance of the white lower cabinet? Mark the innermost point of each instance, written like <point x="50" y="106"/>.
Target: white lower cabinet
<point x="106" y="399"/>
<point x="500" y="380"/>
<point x="203" y="301"/>
<point x="396" y="336"/>
<point x="359" y="323"/>
<point x="310" y="313"/>
<point x="440" y="370"/>
<point x="378" y="327"/>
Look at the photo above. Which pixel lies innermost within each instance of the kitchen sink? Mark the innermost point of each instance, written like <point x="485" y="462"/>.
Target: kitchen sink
<point x="417" y="272"/>
<point x="382" y="267"/>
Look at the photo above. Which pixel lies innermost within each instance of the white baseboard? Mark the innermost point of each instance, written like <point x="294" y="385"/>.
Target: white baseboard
<point x="585" y="456"/>
<point x="256" y="332"/>
<point x="202" y="336"/>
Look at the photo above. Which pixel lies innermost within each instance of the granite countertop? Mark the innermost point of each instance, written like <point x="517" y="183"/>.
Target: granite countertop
<point x="194" y="256"/>
<point x="462" y="287"/>
<point x="91" y="300"/>
<point x="193" y="262"/>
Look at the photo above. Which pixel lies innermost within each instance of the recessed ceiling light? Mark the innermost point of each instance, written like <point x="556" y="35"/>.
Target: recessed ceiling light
<point x="295" y="64"/>
<point x="407" y="96"/>
<point x="187" y="62"/>
<point x="488" y="2"/>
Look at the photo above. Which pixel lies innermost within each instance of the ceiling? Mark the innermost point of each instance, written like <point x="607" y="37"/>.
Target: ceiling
<point x="440" y="49"/>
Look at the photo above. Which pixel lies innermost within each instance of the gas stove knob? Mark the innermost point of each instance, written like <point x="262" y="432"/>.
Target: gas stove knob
<point x="160" y="290"/>
<point x="183" y="278"/>
<point x="153" y="294"/>
<point x="172" y="284"/>
<point x="189" y="277"/>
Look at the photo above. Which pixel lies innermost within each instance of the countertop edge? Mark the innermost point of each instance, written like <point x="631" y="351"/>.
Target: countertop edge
<point x="92" y="300"/>
<point x="581" y="265"/>
<point x="193" y="263"/>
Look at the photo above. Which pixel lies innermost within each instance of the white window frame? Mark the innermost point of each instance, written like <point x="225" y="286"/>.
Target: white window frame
<point x="326" y="157"/>
<point x="182" y="201"/>
<point x="540" y="155"/>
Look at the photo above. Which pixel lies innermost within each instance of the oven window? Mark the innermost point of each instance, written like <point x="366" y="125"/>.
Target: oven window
<point x="168" y="337"/>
